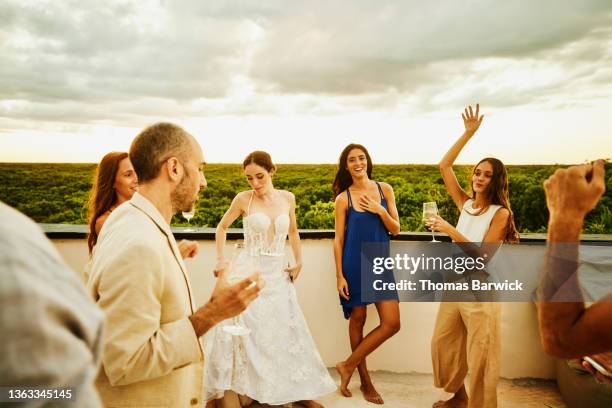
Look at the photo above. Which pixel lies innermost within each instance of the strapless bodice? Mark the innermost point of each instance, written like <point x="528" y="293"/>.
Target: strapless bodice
<point x="263" y="237"/>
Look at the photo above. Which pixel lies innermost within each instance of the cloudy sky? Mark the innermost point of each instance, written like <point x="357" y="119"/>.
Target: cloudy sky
<point x="303" y="78"/>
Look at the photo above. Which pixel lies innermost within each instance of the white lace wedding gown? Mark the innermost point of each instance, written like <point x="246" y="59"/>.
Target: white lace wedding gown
<point x="277" y="362"/>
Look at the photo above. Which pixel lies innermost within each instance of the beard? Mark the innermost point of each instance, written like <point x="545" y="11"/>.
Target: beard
<point x="182" y="198"/>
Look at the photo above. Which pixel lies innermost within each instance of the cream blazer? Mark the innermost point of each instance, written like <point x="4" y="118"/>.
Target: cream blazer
<point x="151" y="355"/>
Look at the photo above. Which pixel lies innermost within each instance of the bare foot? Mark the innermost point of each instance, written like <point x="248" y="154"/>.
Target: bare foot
<point x="345" y="377"/>
<point x="458" y="401"/>
<point x="370" y="394"/>
<point x="309" y="404"/>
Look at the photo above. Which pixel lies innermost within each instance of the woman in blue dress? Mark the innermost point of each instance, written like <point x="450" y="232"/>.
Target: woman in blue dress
<point x="365" y="212"/>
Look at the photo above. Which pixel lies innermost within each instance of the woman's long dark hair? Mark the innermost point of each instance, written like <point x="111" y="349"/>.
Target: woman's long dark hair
<point x="497" y="193"/>
<point x="103" y="195"/>
<point x="343" y="179"/>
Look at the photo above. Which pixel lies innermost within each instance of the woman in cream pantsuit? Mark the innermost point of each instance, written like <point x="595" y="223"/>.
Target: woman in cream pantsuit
<point x="467" y="336"/>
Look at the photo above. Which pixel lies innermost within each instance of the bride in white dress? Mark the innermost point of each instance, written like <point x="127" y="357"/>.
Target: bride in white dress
<point x="277" y="362"/>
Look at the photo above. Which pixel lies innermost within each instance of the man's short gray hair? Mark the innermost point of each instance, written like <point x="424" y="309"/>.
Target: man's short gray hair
<point x="156" y="144"/>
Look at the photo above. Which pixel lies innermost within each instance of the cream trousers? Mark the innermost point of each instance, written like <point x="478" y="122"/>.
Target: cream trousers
<point x="467" y="338"/>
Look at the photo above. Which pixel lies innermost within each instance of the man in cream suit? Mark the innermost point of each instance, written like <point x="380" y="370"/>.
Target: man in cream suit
<point x="152" y="355"/>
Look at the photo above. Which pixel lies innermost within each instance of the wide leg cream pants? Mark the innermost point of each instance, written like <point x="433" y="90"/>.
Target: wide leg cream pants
<point x="467" y="338"/>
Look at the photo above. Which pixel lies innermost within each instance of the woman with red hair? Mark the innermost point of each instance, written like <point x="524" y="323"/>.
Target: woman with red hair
<point x="115" y="182"/>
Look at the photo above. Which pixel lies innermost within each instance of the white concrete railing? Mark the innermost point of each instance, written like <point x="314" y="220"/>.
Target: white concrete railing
<point x="408" y="351"/>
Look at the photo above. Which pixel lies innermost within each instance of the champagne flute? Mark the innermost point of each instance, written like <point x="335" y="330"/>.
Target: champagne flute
<point x="430" y="210"/>
<point x="244" y="263"/>
<point x="188" y="215"/>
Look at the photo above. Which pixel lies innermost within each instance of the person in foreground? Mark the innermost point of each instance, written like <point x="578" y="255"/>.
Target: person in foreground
<point x="151" y="351"/>
<point x="115" y="182"/>
<point x="277" y="362"/>
<point x="466" y="334"/>
<point x="365" y="212"/>
<point x="568" y="329"/>
<point x="51" y="330"/>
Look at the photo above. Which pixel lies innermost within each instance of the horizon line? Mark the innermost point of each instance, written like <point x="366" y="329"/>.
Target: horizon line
<point x="607" y="160"/>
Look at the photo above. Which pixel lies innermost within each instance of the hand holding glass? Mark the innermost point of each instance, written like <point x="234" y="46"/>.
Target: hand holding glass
<point x="244" y="264"/>
<point x="430" y="210"/>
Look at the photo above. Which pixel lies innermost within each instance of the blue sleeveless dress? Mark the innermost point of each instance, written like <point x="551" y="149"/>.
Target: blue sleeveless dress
<point x="363" y="227"/>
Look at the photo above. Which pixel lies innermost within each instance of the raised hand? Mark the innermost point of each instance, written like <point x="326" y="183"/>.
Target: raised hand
<point x="471" y="120"/>
<point x="573" y="192"/>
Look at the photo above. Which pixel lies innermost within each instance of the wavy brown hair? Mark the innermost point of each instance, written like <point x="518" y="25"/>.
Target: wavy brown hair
<point x="343" y="179"/>
<point x="497" y="193"/>
<point x="103" y="196"/>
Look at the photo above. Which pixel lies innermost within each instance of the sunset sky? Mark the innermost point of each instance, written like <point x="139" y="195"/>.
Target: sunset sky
<point x="303" y="79"/>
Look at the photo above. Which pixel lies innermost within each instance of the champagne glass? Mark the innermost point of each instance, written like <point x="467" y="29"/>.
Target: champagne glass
<point x="430" y="210"/>
<point x="188" y="215"/>
<point x="244" y="263"/>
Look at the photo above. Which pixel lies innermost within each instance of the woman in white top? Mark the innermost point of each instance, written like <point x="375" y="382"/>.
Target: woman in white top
<point x="277" y="362"/>
<point x="466" y="335"/>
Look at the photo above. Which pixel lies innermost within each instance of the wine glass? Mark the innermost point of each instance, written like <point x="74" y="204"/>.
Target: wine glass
<point x="430" y="210"/>
<point x="244" y="263"/>
<point x="188" y="215"/>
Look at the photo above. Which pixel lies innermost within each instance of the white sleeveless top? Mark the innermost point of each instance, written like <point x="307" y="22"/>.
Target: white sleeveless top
<point x="475" y="227"/>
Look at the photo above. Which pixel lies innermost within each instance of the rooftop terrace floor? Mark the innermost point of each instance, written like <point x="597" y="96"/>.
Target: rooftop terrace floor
<point x="417" y="391"/>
